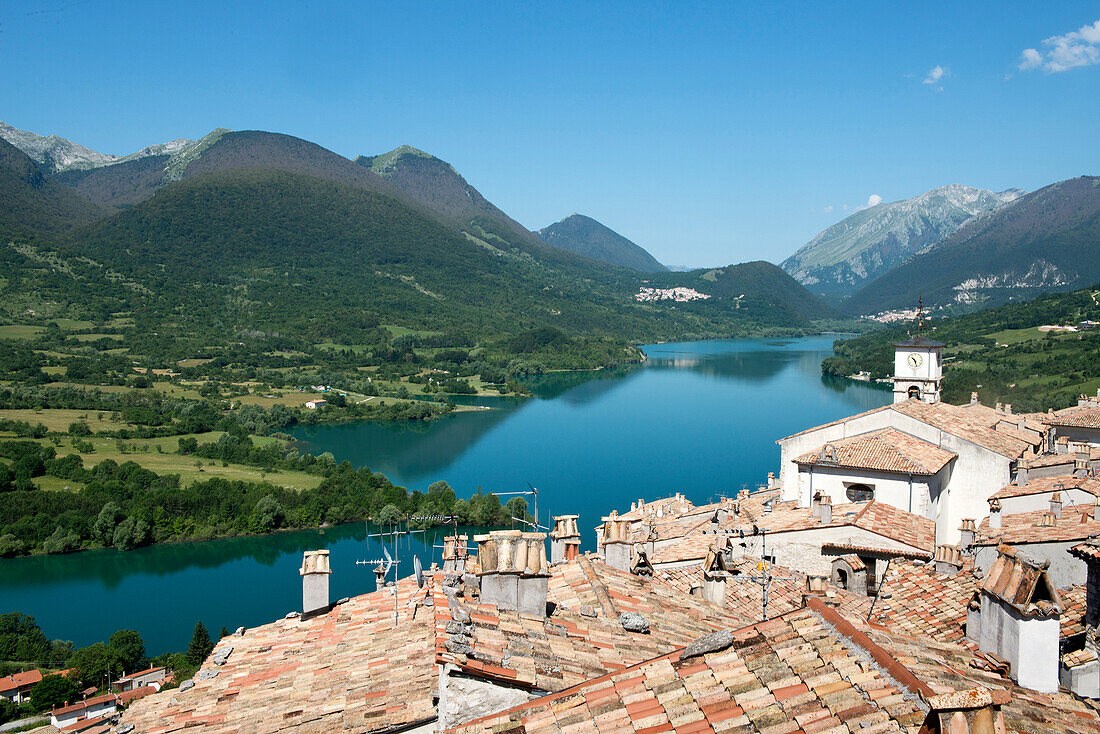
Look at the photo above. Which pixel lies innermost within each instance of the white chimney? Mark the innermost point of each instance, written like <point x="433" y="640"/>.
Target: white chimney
<point x="315" y="572"/>
<point x="995" y="513"/>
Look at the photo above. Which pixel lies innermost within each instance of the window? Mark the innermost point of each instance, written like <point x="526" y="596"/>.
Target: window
<point x="860" y="493"/>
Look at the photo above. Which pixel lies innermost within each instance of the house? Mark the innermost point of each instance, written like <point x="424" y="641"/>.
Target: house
<point x="1044" y="535"/>
<point x="17" y="687"/>
<point x="316" y="403"/>
<point x="1079" y="425"/>
<point x="147" y="677"/>
<point x="89" y="708"/>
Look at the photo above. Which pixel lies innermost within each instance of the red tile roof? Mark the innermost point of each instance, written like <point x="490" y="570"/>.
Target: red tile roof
<point x="1041" y="485"/>
<point x="1076" y="523"/>
<point x="19" y="680"/>
<point x="86" y="703"/>
<point x="1080" y="417"/>
<point x="1021" y="583"/>
<point x="133" y="695"/>
<point x="886" y="450"/>
<point x="916" y="599"/>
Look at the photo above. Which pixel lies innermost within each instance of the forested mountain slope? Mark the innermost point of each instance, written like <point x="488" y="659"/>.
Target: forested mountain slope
<point x="585" y="236"/>
<point x="33" y="206"/>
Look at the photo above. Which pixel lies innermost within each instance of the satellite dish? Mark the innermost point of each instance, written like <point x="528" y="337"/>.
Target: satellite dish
<point x="418" y="569"/>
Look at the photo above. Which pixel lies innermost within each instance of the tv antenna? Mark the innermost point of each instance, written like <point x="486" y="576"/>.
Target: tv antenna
<point x="533" y="492"/>
<point x="765" y="578"/>
<point x="388" y="562"/>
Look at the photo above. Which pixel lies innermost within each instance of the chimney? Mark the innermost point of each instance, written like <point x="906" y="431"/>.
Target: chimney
<point x="1082" y="400"/>
<point x="715" y="574"/>
<point x="455" y="553"/>
<point x="771" y="480"/>
<point x="1021" y="424"/>
<point x="977" y="711"/>
<point x="565" y="539"/>
<point x="640" y="565"/>
<point x="380" y="576"/>
<point x="1081" y="464"/>
<point x="1008" y="408"/>
<point x="973" y="398"/>
<point x="967" y="533"/>
<point x="1056" y="504"/>
<point x="948" y="560"/>
<point x="315" y="572"/>
<point x="616" y="542"/>
<point x="999" y="408"/>
<point x="1061" y="445"/>
<point x="1048" y="520"/>
<point x="815" y="586"/>
<point x="815" y="506"/>
<point x="513" y="570"/>
<point x="995" y="514"/>
<point x="826" y="510"/>
<point x="1022" y="468"/>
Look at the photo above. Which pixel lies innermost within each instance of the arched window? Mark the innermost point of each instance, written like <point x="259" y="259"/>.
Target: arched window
<point x="860" y="493"/>
<point x="914" y="392"/>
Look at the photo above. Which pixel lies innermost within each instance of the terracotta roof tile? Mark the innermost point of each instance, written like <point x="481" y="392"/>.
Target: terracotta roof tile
<point x="1078" y="417"/>
<point x="887" y="450"/>
<point x="19" y="680"/>
<point x="1076" y="523"/>
<point x="917" y="600"/>
<point x="1041" y="485"/>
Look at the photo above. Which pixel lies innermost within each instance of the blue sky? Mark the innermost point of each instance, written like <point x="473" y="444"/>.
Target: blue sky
<point x="709" y="133"/>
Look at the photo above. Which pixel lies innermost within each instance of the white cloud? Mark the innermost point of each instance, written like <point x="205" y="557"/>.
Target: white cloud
<point x="935" y="75"/>
<point x="873" y="200"/>
<point x="1062" y="53"/>
<point x="828" y="209"/>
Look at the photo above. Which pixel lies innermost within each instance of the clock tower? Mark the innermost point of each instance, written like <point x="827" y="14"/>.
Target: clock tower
<point x="918" y="369"/>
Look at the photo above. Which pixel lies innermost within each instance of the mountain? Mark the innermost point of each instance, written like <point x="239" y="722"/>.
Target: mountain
<point x="31" y="204"/>
<point x="53" y="153"/>
<point x="1046" y="240"/>
<point x="863" y="246"/>
<point x="585" y="236"/>
<point x="435" y="184"/>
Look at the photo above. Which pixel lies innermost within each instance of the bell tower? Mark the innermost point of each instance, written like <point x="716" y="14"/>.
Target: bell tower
<point x="918" y="366"/>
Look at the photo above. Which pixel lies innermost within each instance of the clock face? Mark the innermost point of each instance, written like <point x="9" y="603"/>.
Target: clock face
<point x="915" y="360"/>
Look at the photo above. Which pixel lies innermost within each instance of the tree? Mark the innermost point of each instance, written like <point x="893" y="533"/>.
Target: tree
<point x="128" y="650"/>
<point x="92" y="664"/>
<point x="79" y="428"/>
<point x="103" y="529"/>
<point x="130" y="534"/>
<point x="10" y="546"/>
<point x="200" y="646"/>
<point x="61" y="541"/>
<point x="517" y="507"/>
<point x="268" y="514"/>
<point x="224" y="632"/>
<point x="53" y="691"/>
<point x="389" y="515"/>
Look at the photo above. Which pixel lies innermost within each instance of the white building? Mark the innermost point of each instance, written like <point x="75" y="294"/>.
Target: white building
<point x="924" y="456"/>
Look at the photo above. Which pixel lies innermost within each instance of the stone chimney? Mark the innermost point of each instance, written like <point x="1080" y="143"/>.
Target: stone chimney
<point x="999" y="408"/>
<point x="640" y="565"/>
<point x="815" y="506"/>
<point x="565" y="539"/>
<point x="1056" y="504"/>
<point x="616" y="542"/>
<point x="1047" y="520"/>
<point x="1061" y="446"/>
<point x="455" y="553"/>
<point x="948" y="560"/>
<point x="815" y="586"/>
<point x="1021" y="424"/>
<point x="1022" y="470"/>
<point x="715" y="574"/>
<point x="973" y="398"/>
<point x="977" y="711"/>
<point x="967" y="533"/>
<point x="1083" y="400"/>
<point x="1008" y="408"/>
<point x="513" y="570"/>
<point x="1081" y="464"/>
<point x="315" y="572"/>
<point x="825" y="507"/>
<point x="995" y="514"/>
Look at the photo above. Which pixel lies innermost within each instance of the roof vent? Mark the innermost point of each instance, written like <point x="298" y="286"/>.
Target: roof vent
<point x="565" y="538"/>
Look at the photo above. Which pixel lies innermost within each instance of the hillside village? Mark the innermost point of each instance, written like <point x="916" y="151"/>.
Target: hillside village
<point x="919" y="567"/>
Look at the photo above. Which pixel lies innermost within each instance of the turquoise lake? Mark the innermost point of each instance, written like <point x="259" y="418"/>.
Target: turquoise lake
<point x="700" y="418"/>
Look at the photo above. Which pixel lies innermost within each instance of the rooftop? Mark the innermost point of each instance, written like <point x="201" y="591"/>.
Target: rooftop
<point x="1042" y="485"/>
<point x="887" y="450"/>
<point x="915" y="599"/>
<point x="1087" y="416"/>
<point x="808" y="670"/>
<point x="19" y="680"/>
<point x="1076" y="523"/>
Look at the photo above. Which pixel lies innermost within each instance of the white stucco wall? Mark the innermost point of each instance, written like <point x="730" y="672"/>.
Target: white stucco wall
<point x="968" y="483"/>
<point x="1079" y="435"/>
<point x="801" y="549"/>
<point x="1041" y="501"/>
<point x="1029" y="645"/>
<point x="912" y="493"/>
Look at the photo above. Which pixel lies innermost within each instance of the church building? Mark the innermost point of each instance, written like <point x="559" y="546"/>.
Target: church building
<point x="919" y="454"/>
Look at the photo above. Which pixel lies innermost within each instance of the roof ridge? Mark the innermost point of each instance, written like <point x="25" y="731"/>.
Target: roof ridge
<point x="598" y="587"/>
<point x="904" y="454"/>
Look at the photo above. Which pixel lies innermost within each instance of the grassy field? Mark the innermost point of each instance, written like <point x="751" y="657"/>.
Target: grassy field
<point x="190" y="468"/>
<point x="59" y="419"/>
<point x="19" y="331"/>
<point x="193" y="362"/>
<point x="282" y="397"/>
<point x="97" y="337"/>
